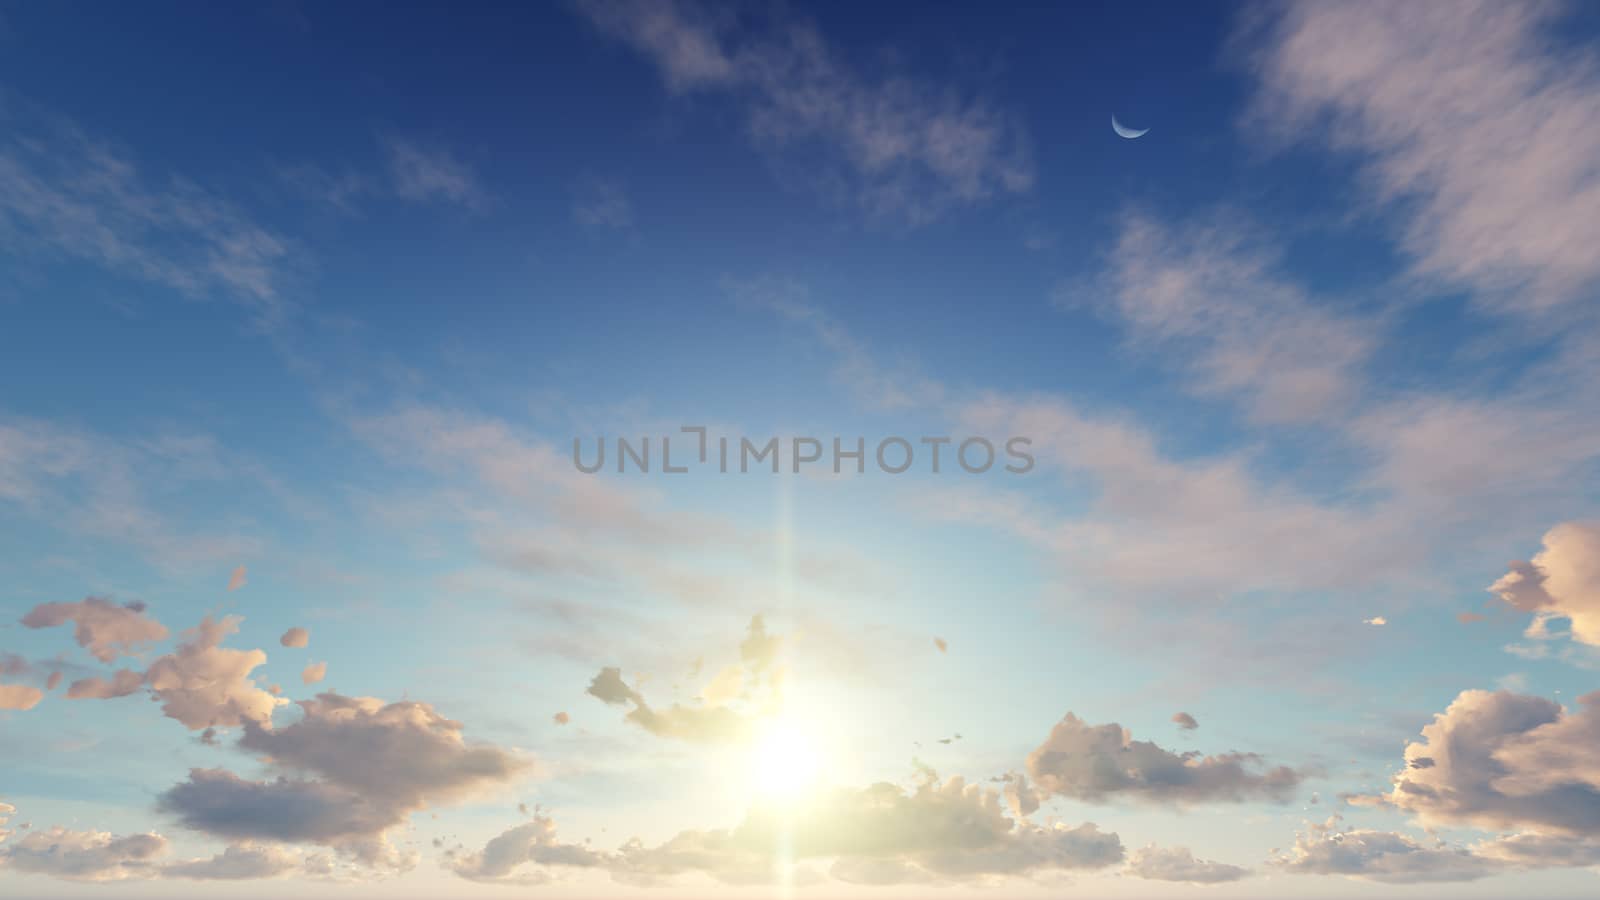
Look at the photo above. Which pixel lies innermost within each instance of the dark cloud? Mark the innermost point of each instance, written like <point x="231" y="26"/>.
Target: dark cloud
<point x="1185" y="721"/>
<point x="1098" y="763"/>
<point x="354" y="767"/>
<point x="1502" y="761"/>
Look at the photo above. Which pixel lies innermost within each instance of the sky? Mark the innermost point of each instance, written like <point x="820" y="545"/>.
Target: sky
<point x="1210" y="513"/>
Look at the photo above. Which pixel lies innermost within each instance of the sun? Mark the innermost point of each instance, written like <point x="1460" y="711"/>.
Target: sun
<point x="786" y="762"/>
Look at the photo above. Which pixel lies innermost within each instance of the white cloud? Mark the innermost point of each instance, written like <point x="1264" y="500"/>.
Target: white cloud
<point x="1561" y="582"/>
<point x="1472" y="118"/>
<point x="1179" y="864"/>
<point x="83" y="855"/>
<point x="1213" y="292"/>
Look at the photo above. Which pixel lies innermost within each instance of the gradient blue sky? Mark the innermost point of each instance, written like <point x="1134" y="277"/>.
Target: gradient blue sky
<point x="304" y="304"/>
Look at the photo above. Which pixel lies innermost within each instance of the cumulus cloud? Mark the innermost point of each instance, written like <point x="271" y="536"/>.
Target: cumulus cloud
<point x="1179" y="864"/>
<point x="1099" y="763"/>
<point x="1469" y="119"/>
<point x="314" y="672"/>
<point x="1185" y="721"/>
<point x="1561" y="581"/>
<point x="906" y="149"/>
<point x="1505" y="761"/>
<point x="760" y="672"/>
<point x="296" y="810"/>
<point x="107" y="630"/>
<point x="1329" y="848"/>
<point x="83" y="855"/>
<point x="354" y="767"/>
<point x="120" y="684"/>
<point x="502" y="858"/>
<point x="203" y="684"/>
<point x="19" y="696"/>
<point x="239" y="862"/>
<point x="883" y="834"/>
<point x="295" y="637"/>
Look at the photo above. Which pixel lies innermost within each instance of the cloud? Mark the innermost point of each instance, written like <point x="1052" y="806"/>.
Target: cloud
<point x="220" y="803"/>
<point x="105" y="629"/>
<point x="1100" y="763"/>
<point x="404" y="752"/>
<point x="1504" y="761"/>
<point x="239" y="862"/>
<point x="600" y="203"/>
<point x="1331" y="849"/>
<point x="1562" y="581"/>
<point x="237" y="579"/>
<point x="83" y="855"/>
<point x="1212" y="291"/>
<point x="758" y="677"/>
<point x="1470" y="119"/>
<point x="698" y="724"/>
<point x="295" y="637"/>
<point x="941" y="644"/>
<point x="948" y="831"/>
<point x="203" y="684"/>
<point x="1185" y="721"/>
<point x="1179" y="864"/>
<point x="423" y="174"/>
<point x="1375" y="620"/>
<point x="19" y="696"/>
<point x="354" y="767"/>
<point x="561" y="718"/>
<point x="94" y="484"/>
<point x="503" y="856"/>
<point x="65" y="194"/>
<point x="903" y="148"/>
<point x="314" y="672"/>
<point x="121" y="684"/>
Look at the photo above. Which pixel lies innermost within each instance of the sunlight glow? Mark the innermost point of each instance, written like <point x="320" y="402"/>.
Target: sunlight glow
<point x="786" y="762"/>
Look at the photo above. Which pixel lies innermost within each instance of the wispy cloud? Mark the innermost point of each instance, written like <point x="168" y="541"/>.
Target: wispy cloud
<point x="68" y="195"/>
<point x="907" y="149"/>
<point x="1473" y="121"/>
<point x="431" y="174"/>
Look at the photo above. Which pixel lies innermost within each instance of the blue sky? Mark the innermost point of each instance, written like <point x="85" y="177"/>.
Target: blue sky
<point x="306" y="305"/>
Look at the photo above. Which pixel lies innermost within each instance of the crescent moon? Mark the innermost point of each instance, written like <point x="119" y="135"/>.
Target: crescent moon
<point x="1125" y="131"/>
